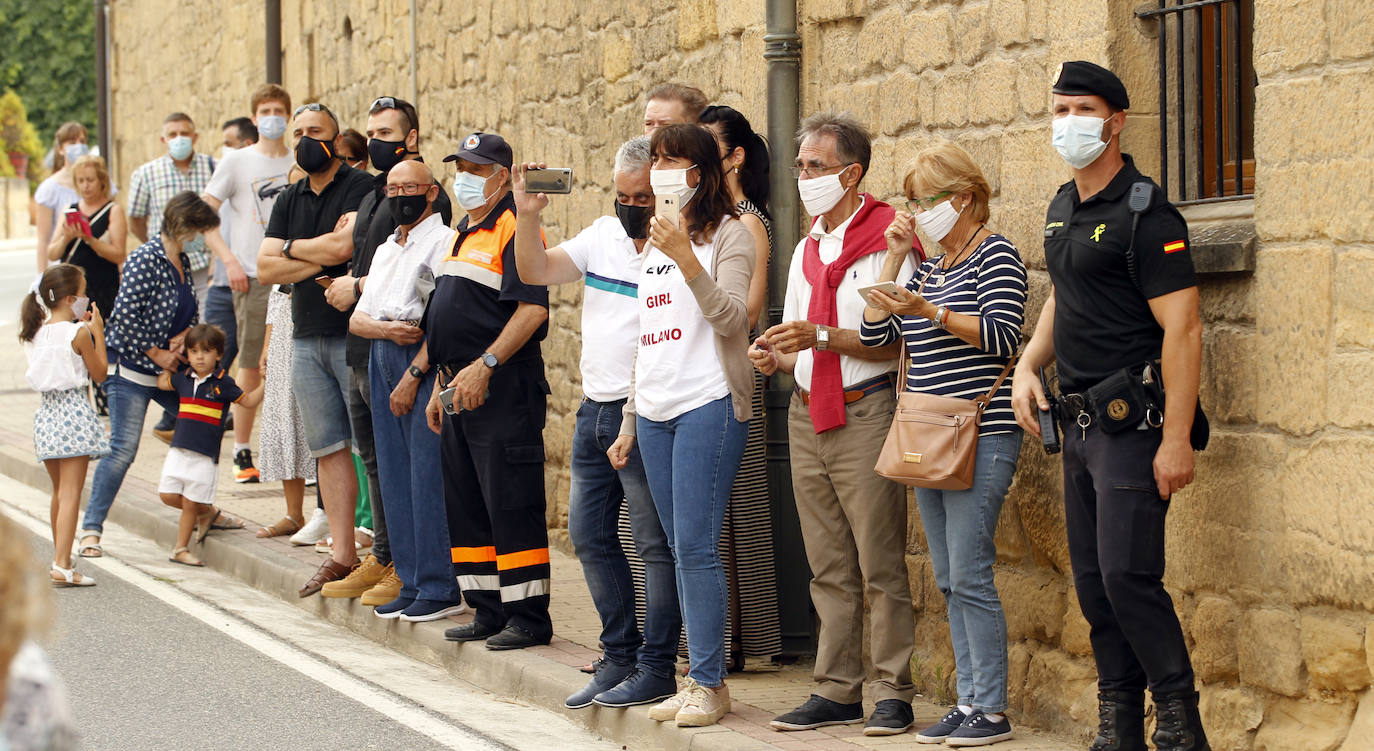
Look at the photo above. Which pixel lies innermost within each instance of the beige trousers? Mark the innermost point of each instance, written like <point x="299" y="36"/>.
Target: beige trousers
<point x="853" y="522"/>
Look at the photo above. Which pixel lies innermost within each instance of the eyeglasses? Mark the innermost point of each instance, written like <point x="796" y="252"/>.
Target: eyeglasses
<point x="798" y="170"/>
<point x="312" y="107"/>
<point x="406" y="189"/>
<point x="927" y="203"/>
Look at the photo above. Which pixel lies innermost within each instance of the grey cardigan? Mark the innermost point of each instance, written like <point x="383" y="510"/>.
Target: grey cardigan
<point x="722" y="295"/>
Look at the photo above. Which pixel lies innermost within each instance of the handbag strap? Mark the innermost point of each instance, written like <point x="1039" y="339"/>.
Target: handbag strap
<point x="985" y="398"/>
<point x="906" y="356"/>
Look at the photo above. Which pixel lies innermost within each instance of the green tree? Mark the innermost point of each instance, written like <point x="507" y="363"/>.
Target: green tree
<point x="47" y="55"/>
<point x="17" y="136"/>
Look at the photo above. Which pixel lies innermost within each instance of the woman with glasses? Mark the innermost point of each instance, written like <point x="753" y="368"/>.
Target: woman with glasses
<point x="691" y="393"/>
<point x="960" y="317"/>
<point x="353" y="149"/>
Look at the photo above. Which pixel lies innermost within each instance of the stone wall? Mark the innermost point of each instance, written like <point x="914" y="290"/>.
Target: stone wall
<point x="1269" y="550"/>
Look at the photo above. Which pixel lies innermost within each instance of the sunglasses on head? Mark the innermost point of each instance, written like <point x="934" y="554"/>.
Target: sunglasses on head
<point x="312" y="107"/>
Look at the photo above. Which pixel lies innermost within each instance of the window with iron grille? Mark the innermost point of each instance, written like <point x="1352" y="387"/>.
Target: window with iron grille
<point x="1206" y="99"/>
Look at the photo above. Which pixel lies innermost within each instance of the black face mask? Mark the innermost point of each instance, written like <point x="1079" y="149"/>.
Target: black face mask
<point x="386" y="154"/>
<point x="313" y="155"/>
<point x="635" y="219"/>
<point x="406" y="209"/>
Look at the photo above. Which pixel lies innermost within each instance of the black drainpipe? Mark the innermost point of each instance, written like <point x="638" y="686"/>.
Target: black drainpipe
<point x="272" y="41"/>
<point x="102" y="84"/>
<point x="782" y="50"/>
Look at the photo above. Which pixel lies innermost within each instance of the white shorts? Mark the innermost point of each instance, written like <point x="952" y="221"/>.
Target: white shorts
<point x="190" y="475"/>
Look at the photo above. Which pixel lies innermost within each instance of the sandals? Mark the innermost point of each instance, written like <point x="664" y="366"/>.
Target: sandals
<point x="286" y="526"/>
<point x="218" y="520"/>
<point x="183" y="556"/>
<point x="91" y="550"/>
<point x="70" y="578"/>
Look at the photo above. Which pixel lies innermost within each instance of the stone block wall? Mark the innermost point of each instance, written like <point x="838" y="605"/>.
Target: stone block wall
<point x="1269" y="552"/>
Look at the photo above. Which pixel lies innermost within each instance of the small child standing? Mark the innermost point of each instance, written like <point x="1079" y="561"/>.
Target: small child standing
<point x="65" y="353"/>
<point x="191" y="473"/>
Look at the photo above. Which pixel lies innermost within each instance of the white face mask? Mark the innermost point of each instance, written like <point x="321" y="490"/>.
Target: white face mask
<point x="1078" y="139"/>
<point x="937" y="222"/>
<point x="469" y="190"/>
<point x="271" y="127"/>
<point x="672" y="182"/>
<point x="820" y="194"/>
<point x="79" y="306"/>
<point x="179" y="147"/>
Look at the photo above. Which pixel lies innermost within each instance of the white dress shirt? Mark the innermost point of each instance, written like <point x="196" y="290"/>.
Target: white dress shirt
<point x="402" y="276"/>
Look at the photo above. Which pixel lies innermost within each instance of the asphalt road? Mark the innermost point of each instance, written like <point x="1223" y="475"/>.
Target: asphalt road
<point x="159" y="656"/>
<point x="17" y="272"/>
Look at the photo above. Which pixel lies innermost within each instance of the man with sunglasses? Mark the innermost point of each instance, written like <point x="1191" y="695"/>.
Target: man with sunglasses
<point x="393" y="131"/>
<point x="309" y="240"/>
<point x="853" y="521"/>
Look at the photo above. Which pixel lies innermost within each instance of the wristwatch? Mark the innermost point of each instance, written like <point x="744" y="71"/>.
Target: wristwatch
<point x="419" y="374"/>
<point x="286" y="251"/>
<point x="489" y="360"/>
<point x="822" y="338"/>
<point x="941" y="313"/>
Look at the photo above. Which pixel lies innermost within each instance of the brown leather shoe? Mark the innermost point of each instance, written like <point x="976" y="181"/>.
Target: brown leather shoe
<point x="328" y="571"/>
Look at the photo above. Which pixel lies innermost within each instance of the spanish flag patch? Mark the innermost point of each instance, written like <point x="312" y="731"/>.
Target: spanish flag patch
<point x="1175" y="246"/>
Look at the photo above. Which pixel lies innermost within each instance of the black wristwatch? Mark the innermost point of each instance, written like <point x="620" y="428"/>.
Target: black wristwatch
<point x="489" y="360"/>
<point x="419" y="374"/>
<point x="286" y="251"/>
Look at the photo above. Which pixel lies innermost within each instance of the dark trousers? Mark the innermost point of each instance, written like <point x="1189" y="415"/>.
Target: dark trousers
<point x="1115" y="523"/>
<point x="493" y="467"/>
<point x="360" y="416"/>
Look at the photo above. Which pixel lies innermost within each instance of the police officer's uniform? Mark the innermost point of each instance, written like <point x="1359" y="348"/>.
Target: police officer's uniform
<point x="1102" y="325"/>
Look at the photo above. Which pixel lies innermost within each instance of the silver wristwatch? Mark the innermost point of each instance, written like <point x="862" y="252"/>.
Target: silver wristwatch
<point x="822" y="338"/>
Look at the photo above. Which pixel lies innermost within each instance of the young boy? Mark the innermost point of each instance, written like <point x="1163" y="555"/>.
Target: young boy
<point x="191" y="472"/>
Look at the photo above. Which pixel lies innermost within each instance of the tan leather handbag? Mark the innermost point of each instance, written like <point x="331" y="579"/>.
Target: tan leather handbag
<point x="933" y="441"/>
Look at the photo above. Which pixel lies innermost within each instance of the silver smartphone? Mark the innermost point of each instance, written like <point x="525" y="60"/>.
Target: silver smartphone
<point x="666" y="207"/>
<point x="548" y="180"/>
<point x="446" y="399"/>
<point x="890" y="288"/>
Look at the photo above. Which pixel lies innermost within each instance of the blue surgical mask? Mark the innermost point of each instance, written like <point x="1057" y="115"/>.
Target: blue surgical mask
<point x="74" y="151"/>
<point x="272" y="127"/>
<point x="469" y="190"/>
<point x="179" y="147"/>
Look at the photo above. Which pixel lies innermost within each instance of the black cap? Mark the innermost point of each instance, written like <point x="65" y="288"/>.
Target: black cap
<point x="1082" y="78"/>
<point x="484" y="148"/>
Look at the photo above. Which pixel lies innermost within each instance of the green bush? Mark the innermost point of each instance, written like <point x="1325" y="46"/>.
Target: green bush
<point x="17" y="136"/>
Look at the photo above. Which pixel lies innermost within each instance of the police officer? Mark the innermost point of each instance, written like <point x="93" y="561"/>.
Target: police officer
<point x="1124" y="295"/>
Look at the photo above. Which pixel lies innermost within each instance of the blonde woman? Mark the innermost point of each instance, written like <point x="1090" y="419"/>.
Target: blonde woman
<point x="95" y="242"/>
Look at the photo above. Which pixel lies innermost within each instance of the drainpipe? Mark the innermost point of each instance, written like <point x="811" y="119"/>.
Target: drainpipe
<point x="414" y="77"/>
<point x="272" y="41"/>
<point x="782" y="50"/>
<point x="102" y="82"/>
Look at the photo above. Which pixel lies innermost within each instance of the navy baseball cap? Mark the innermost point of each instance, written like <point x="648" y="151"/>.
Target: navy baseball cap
<point x="484" y="148"/>
<point x="1082" y="78"/>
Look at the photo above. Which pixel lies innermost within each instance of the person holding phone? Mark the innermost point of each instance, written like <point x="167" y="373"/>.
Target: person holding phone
<point x="93" y="232"/>
<point x="691" y="394"/>
<point x="960" y="317"/>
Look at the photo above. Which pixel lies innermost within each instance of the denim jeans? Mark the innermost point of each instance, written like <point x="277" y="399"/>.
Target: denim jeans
<point x="411" y="477"/>
<point x="593" y="521"/>
<point x="319" y="379"/>
<point x="128" y="405"/>
<point x="960" y="526"/>
<point x="691" y="461"/>
<point x="219" y="310"/>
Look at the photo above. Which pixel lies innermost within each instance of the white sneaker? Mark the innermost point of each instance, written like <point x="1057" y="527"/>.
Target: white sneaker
<point x="668" y="708"/>
<point x="703" y="706"/>
<point x="314" y="530"/>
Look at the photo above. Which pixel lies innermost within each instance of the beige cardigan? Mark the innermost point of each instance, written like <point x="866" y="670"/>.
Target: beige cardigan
<point x="722" y="295"/>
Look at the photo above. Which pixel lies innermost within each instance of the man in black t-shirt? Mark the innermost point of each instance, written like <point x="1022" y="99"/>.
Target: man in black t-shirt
<point x="1125" y="294"/>
<point x="309" y="240"/>
<point x="393" y="131"/>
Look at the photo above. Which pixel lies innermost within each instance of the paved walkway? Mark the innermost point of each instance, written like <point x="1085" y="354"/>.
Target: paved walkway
<point x="758" y="696"/>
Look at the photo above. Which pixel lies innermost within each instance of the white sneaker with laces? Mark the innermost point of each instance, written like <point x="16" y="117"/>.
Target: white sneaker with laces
<point x="668" y="708"/>
<point x="314" y="530"/>
<point x="703" y="706"/>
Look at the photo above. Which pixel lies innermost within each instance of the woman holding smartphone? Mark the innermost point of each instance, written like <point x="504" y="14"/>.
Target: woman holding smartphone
<point x="691" y="392"/>
<point x="92" y="232"/>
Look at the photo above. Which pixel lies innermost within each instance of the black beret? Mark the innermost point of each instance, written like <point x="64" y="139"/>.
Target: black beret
<point x="1082" y="78"/>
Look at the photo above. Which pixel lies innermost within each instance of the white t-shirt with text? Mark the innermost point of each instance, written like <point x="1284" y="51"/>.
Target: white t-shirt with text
<point x="610" y="266"/>
<point x="249" y="182"/>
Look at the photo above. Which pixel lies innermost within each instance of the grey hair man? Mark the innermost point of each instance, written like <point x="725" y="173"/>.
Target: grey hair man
<point x="636" y="669"/>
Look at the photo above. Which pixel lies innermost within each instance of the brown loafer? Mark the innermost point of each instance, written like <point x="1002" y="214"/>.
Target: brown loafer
<point x="328" y="571"/>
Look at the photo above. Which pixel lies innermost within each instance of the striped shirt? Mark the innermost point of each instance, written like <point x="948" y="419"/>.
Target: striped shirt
<point x="990" y="285"/>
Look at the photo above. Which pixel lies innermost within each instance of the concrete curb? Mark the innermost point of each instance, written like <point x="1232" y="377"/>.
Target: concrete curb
<point x="516" y="674"/>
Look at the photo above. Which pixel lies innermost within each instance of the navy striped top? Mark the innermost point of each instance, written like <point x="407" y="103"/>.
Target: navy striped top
<point x="989" y="284"/>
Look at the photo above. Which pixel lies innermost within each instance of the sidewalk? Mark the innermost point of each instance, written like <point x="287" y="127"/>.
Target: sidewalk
<point x="542" y="676"/>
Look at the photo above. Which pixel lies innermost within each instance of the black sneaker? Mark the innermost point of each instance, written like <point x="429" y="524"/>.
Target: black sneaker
<point x="473" y="631"/>
<point x="939" y="731"/>
<point x="229" y="422"/>
<point x="819" y="711"/>
<point x="890" y="717"/>
<point x="513" y="637"/>
<point x="244" y="471"/>
<point x="167" y="422"/>
<point x="978" y="730"/>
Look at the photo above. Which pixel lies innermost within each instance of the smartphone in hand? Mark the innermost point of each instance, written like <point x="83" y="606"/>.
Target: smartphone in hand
<point x="324" y="280"/>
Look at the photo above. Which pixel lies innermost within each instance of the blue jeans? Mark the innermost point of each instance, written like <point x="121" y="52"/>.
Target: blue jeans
<point x="411" y="478"/>
<point x="219" y="310"/>
<point x="593" y="523"/>
<point x="691" y="461"/>
<point x="128" y="405"/>
<point x="319" y="378"/>
<point x="960" y="526"/>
